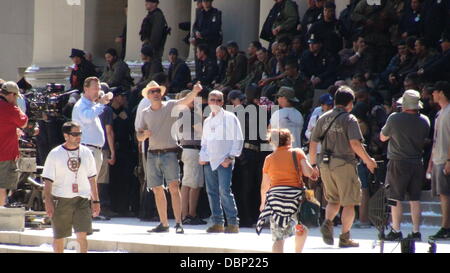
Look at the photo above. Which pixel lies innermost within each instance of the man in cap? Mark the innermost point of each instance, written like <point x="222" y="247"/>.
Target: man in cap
<point x="83" y="69"/>
<point x="162" y="163"/>
<point x="340" y="137"/>
<point x="11" y="118"/>
<point x="116" y="72"/>
<point x="319" y="65"/>
<point x="179" y="73"/>
<point x="207" y="28"/>
<point x="406" y="132"/>
<point x="288" y="117"/>
<point x="154" y="28"/>
<point x="439" y="166"/>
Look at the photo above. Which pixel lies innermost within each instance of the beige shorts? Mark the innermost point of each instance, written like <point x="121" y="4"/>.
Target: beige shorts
<point x="341" y="181"/>
<point x="9" y="175"/>
<point x="103" y="175"/>
<point x="192" y="171"/>
<point x="98" y="157"/>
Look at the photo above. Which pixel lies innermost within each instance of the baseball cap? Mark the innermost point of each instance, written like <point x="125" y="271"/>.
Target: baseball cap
<point x="10" y="87"/>
<point x="326" y="99"/>
<point x="235" y="94"/>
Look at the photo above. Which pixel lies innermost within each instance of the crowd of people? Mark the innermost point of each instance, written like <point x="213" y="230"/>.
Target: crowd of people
<point x="336" y="89"/>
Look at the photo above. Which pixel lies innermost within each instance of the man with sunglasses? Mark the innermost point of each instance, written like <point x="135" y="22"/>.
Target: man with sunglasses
<point x="222" y="142"/>
<point x="71" y="196"/>
<point x="11" y="118"/>
<point x="162" y="161"/>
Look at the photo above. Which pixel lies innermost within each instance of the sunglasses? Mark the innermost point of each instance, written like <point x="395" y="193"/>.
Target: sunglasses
<point x="75" y="134"/>
<point x="156" y="91"/>
<point x="215" y="100"/>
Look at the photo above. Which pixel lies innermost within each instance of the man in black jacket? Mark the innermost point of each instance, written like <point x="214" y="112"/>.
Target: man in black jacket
<point x="179" y="73"/>
<point x="83" y="69"/>
<point x="154" y="29"/>
<point x="206" y="68"/>
<point x="207" y="28"/>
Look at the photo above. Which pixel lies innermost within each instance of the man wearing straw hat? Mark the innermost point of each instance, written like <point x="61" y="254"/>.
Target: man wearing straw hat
<point x="162" y="163"/>
<point x="406" y="132"/>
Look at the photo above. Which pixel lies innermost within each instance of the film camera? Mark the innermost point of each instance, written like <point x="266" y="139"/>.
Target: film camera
<point x="48" y="101"/>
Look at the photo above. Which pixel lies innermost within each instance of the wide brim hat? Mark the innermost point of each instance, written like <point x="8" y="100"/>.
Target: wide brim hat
<point x="151" y="86"/>
<point x="410" y="100"/>
<point x="288" y="93"/>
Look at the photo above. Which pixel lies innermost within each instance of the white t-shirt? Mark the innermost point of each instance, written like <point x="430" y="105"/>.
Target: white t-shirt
<point x="289" y="118"/>
<point x="60" y="167"/>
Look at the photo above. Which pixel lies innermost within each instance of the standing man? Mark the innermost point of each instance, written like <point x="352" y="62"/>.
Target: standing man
<point x="285" y="19"/>
<point x="82" y="69"/>
<point x="406" y="132"/>
<point x="440" y="164"/>
<point x="69" y="176"/>
<point x="340" y="138"/>
<point x="222" y="142"/>
<point x="11" y="118"/>
<point x="207" y="28"/>
<point x="86" y="112"/>
<point x="154" y="29"/>
<point x="162" y="163"/>
<point x="117" y="72"/>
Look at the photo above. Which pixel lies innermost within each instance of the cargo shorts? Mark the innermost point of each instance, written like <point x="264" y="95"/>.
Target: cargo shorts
<point x="9" y="175"/>
<point x="71" y="212"/>
<point x="341" y="181"/>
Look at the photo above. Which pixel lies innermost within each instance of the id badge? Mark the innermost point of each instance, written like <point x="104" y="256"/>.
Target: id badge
<point x="75" y="188"/>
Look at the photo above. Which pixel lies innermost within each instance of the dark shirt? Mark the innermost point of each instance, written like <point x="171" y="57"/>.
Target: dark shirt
<point x="236" y="70"/>
<point x="154" y="29"/>
<point x="435" y="18"/>
<point x="322" y="65"/>
<point x="80" y="73"/>
<point x="206" y="71"/>
<point x="329" y="32"/>
<point x="311" y="16"/>
<point x="179" y="76"/>
<point x="221" y="70"/>
<point x="209" y="24"/>
<point x="410" y="23"/>
<point x="106" y="118"/>
<point x="149" y="69"/>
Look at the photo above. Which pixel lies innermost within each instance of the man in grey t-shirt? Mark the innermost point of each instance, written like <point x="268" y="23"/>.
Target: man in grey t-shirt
<point x="406" y="132"/>
<point x="439" y="166"/>
<point x="162" y="162"/>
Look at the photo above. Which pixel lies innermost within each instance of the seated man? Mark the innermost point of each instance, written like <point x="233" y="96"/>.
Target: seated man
<point x="356" y="60"/>
<point x="205" y="68"/>
<point x="261" y="70"/>
<point x="179" y="73"/>
<point x="117" y="72"/>
<point x="236" y="70"/>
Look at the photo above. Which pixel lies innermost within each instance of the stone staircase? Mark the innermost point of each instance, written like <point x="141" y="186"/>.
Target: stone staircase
<point x="431" y="210"/>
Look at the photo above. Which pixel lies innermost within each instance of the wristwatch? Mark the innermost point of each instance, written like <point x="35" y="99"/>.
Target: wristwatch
<point x="313" y="165"/>
<point x="95" y="201"/>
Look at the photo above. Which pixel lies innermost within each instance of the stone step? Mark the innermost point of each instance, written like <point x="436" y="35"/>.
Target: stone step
<point x="428" y="219"/>
<point x="427" y="207"/>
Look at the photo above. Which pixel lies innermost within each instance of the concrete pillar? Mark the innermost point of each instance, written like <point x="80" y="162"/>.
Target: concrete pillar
<point x="175" y="11"/>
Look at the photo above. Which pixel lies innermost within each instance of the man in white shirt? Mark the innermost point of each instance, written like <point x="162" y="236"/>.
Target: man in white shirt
<point x="222" y="142"/>
<point x="288" y="117"/>
<point x="86" y="112"/>
<point x="69" y="176"/>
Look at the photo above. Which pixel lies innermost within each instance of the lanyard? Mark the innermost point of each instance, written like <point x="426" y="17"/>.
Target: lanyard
<point x="74" y="163"/>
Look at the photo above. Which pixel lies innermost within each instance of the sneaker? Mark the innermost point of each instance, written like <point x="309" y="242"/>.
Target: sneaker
<point x="187" y="220"/>
<point x="232" y="229"/>
<point x="442" y="234"/>
<point x="393" y="236"/>
<point x="179" y="229"/>
<point x="216" y="228"/>
<point x="159" y="229"/>
<point x="345" y="241"/>
<point x="327" y="232"/>
<point x="416" y="236"/>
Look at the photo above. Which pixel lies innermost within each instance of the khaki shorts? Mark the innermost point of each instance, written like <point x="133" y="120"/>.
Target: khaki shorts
<point x="98" y="157"/>
<point x="341" y="182"/>
<point x="9" y="175"/>
<point x="103" y="175"/>
<point x="71" y="212"/>
<point x="192" y="171"/>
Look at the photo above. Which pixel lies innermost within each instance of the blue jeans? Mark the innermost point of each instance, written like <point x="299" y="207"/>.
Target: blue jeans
<point x="218" y="188"/>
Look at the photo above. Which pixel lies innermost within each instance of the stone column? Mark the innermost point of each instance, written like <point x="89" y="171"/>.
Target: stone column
<point x="175" y="11"/>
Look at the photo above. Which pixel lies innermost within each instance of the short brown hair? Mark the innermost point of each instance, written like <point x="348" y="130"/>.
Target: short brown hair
<point x="280" y="137"/>
<point x="87" y="82"/>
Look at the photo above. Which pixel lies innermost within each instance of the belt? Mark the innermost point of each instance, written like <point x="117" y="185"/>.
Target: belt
<point x="195" y="147"/>
<point x="92" y="146"/>
<point x="163" y="151"/>
<point x="251" y="147"/>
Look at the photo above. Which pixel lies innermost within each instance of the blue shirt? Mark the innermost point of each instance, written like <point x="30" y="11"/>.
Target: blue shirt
<point x="86" y="113"/>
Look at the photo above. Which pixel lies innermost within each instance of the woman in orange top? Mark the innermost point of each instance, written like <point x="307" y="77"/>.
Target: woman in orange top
<point x="279" y="171"/>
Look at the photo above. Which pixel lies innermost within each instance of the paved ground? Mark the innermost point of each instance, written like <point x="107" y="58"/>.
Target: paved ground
<point x="122" y="232"/>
